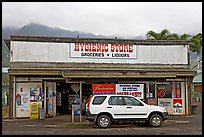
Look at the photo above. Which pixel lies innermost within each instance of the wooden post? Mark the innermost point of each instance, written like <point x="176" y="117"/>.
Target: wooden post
<point x="186" y="97"/>
<point x="10" y="97"/>
<point x="45" y="98"/>
<point x="80" y="117"/>
<point x="155" y="89"/>
<point x="14" y="102"/>
<point x="72" y="114"/>
<point x="189" y="94"/>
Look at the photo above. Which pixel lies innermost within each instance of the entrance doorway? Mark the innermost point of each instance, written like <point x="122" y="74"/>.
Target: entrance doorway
<point x="66" y="93"/>
<point x="62" y="94"/>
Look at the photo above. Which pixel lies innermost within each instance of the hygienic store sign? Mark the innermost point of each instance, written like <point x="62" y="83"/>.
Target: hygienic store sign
<point x="103" y="51"/>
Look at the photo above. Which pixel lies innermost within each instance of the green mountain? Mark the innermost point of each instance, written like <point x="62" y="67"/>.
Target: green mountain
<point x="38" y="30"/>
<point x="34" y="29"/>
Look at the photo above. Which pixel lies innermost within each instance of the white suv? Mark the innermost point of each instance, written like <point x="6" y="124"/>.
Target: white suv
<point x="105" y="109"/>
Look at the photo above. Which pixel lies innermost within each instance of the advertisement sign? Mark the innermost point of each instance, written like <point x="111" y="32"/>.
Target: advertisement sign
<point x="136" y="90"/>
<point x="177" y="106"/>
<point x="164" y="89"/>
<point x="75" y="87"/>
<point x="22" y="104"/>
<point x="167" y="104"/>
<point x="35" y="94"/>
<point x="103" y="51"/>
<point x="103" y="88"/>
<point x="76" y="109"/>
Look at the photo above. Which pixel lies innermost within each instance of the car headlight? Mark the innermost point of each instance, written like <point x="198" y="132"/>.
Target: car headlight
<point x="164" y="109"/>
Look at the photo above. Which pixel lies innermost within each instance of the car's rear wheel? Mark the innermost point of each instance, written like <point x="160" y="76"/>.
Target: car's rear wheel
<point x="155" y="120"/>
<point x="104" y="121"/>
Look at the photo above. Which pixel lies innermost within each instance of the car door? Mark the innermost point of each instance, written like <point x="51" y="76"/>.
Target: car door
<point x="134" y="108"/>
<point x="116" y="106"/>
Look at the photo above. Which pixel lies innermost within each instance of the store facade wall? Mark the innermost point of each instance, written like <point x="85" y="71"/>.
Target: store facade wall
<point x="168" y="94"/>
<point x="38" y="64"/>
<point x="28" y="90"/>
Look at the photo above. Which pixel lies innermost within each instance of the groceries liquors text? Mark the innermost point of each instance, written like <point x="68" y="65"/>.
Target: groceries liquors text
<point x="101" y="50"/>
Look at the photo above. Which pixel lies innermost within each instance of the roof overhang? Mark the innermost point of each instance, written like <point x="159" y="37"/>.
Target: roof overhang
<point x="97" y="73"/>
<point x="127" y="74"/>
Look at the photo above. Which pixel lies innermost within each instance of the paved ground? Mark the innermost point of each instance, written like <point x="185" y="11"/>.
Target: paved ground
<point x="175" y="125"/>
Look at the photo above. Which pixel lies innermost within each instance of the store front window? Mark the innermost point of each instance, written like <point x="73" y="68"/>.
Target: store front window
<point x="169" y="96"/>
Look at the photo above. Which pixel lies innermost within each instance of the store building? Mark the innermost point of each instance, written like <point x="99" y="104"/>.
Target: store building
<point x="56" y="71"/>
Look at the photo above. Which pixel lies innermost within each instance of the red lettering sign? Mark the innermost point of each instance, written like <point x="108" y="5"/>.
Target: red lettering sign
<point x="107" y="88"/>
<point x="91" y="47"/>
<point x="121" y="48"/>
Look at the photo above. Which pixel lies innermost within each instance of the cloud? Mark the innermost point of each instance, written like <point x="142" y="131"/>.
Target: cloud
<point x="107" y="18"/>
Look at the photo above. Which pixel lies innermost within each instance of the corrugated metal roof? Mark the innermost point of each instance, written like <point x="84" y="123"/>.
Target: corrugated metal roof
<point x="4" y="70"/>
<point x="100" y="40"/>
<point x="198" y="78"/>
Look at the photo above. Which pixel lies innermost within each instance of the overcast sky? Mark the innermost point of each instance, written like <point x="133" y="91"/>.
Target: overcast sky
<point x="107" y="18"/>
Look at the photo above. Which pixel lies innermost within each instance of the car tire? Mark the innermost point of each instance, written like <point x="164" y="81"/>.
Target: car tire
<point x="155" y="120"/>
<point x="103" y="121"/>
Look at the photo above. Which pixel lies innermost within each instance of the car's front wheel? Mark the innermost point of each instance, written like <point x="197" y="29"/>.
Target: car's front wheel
<point x="104" y="121"/>
<point x="155" y="120"/>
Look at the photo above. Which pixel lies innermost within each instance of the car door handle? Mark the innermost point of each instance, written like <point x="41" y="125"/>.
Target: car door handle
<point x="109" y="107"/>
<point x="129" y="107"/>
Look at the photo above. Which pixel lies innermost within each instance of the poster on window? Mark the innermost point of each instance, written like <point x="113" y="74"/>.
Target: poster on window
<point x="136" y="90"/>
<point x="22" y="100"/>
<point x="35" y="94"/>
<point x="164" y="89"/>
<point x="167" y="104"/>
<point x="177" y="106"/>
<point x="176" y="90"/>
<point x="22" y="104"/>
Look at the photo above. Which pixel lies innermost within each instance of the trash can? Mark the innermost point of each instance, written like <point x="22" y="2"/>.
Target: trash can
<point x="194" y="109"/>
<point x="42" y="113"/>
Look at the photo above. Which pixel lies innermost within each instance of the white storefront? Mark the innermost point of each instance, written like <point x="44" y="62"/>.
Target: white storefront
<point x="156" y="71"/>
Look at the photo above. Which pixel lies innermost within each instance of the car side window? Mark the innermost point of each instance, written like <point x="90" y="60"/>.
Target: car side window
<point x="130" y="101"/>
<point x="98" y="100"/>
<point x="116" y="100"/>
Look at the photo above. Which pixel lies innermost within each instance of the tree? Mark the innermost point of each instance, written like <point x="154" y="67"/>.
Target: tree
<point x="163" y="35"/>
<point x="166" y="35"/>
<point x="196" y="43"/>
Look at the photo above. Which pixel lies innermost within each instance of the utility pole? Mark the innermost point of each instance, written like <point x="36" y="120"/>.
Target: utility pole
<point x="197" y="64"/>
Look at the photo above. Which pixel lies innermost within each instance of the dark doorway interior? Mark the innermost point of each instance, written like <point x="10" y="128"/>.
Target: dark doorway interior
<point x="62" y="103"/>
<point x="65" y="96"/>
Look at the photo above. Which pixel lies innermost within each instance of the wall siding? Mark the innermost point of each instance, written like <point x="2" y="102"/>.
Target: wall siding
<point x="60" y="52"/>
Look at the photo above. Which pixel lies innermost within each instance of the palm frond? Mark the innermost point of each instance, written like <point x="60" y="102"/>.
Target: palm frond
<point x="152" y="35"/>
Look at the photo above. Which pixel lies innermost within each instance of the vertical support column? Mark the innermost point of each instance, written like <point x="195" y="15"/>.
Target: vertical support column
<point x="14" y="99"/>
<point x="72" y="114"/>
<point x="155" y="88"/>
<point x="45" y="97"/>
<point x="10" y="97"/>
<point x="147" y="93"/>
<point x="186" y="97"/>
<point x="80" y="117"/>
<point x="189" y="103"/>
